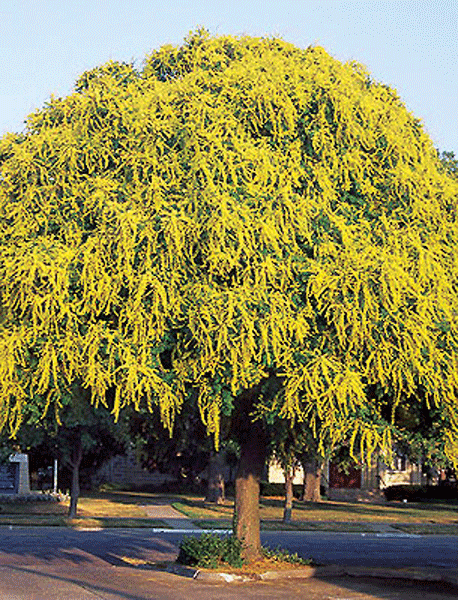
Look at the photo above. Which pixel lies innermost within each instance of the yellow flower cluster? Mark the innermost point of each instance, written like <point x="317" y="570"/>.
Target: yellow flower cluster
<point x="239" y="208"/>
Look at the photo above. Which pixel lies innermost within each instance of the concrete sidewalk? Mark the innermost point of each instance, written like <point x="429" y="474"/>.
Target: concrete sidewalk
<point x="62" y="580"/>
<point x="171" y="517"/>
<point x="176" y="520"/>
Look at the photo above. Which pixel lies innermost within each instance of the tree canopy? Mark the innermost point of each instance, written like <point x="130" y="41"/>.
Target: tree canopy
<point x="235" y="211"/>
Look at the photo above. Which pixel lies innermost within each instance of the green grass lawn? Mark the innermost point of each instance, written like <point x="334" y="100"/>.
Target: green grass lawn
<point x="127" y="509"/>
<point x="347" y="512"/>
<point x="94" y="510"/>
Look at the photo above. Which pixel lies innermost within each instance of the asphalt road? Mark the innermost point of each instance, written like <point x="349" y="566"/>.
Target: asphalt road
<point x="114" y="546"/>
<point x="370" y="550"/>
<point x="63" y="564"/>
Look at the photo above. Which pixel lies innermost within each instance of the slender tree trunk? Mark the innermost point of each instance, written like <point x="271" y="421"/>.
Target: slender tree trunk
<point x="77" y="457"/>
<point x="312" y="479"/>
<point x="247" y="487"/>
<point x="215" y="488"/>
<point x="288" y="508"/>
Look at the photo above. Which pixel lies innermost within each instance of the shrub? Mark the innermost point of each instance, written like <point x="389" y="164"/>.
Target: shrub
<point x="278" y="489"/>
<point x="210" y="550"/>
<point x="419" y="493"/>
<point x="412" y="493"/>
<point x="30" y="498"/>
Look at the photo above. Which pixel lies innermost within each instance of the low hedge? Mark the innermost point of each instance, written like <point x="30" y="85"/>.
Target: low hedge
<point x="420" y="493"/>
<point x="278" y="489"/>
<point x="29" y="498"/>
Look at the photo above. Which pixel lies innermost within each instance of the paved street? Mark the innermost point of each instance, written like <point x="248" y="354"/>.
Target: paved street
<point x="387" y="550"/>
<point x="64" y="564"/>
<point x="112" y="546"/>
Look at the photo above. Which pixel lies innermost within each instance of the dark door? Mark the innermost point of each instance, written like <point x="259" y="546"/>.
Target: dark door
<point x="348" y="478"/>
<point x="9" y="478"/>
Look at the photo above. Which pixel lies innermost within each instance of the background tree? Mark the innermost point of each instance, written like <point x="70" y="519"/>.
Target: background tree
<point x="312" y="465"/>
<point x="259" y="222"/>
<point x="187" y="453"/>
<point x="420" y="437"/>
<point x="83" y="440"/>
<point x="449" y="162"/>
<point x="294" y="446"/>
<point x="184" y="454"/>
<point x="285" y="449"/>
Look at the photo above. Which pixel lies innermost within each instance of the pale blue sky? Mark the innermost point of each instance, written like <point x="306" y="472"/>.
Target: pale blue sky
<point x="411" y="45"/>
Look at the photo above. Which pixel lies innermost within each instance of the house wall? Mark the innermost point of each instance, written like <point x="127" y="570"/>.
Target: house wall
<point x="410" y="475"/>
<point x="275" y="473"/>
<point x="374" y="478"/>
<point x="125" y="470"/>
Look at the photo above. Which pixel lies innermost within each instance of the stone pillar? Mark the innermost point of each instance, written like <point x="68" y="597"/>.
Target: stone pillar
<point x="24" y="480"/>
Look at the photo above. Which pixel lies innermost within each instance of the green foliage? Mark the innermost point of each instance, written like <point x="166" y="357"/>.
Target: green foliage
<point x="450" y="163"/>
<point x="211" y="551"/>
<point x="278" y="489"/>
<point x="184" y="454"/>
<point x="281" y="555"/>
<point x="419" y="433"/>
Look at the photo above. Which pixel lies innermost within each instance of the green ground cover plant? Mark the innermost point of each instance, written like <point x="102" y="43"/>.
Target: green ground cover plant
<point x="213" y="551"/>
<point x="210" y="551"/>
<point x="281" y="555"/>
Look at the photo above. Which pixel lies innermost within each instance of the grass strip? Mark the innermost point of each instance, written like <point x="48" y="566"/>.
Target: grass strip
<point x="80" y="522"/>
<point x="278" y="525"/>
<point x="214" y="524"/>
<point x="428" y="528"/>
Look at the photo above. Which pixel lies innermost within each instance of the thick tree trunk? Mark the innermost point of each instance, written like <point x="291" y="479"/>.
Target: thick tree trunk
<point x="312" y="479"/>
<point x="247" y="487"/>
<point x="215" y="488"/>
<point x="288" y="508"/>
<point x="253" y="441"/>
<point x="77" y="457"/>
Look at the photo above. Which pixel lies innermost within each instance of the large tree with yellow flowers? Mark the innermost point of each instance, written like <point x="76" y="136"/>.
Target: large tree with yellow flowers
<point x="256" y="226"/>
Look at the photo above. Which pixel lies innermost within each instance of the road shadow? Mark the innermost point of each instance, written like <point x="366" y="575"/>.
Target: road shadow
<point x="23" y="546"/>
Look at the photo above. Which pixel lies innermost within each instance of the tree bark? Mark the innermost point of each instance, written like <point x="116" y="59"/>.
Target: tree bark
<point x="77" y="457"/>
<point x="247" y="487"/>
<point x="253" y="440"/>
<point x="288" y="508"/>
<point x="312" y="479"/>
<point x="215" y="488"/>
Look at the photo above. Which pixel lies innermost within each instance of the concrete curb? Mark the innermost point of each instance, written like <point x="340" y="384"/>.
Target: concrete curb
<point x="209" y="577"/>
<point x="328" y="571"/>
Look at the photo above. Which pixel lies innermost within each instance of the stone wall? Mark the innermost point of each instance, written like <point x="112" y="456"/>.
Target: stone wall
<point x="24" y="478"/>
<point x="15" y="475"/>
